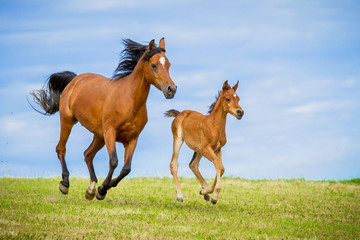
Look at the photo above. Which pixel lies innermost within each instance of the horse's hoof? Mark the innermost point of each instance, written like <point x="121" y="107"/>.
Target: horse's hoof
<point x="64" y="190"/>
<point x="213" y="201"/>
<point x="180" y="199"/>
<point x="89" y="196"/>
<point x="98" y="194"/>
<point x="207" y="197"/>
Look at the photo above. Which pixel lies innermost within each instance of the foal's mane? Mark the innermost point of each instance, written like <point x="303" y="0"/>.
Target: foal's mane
<point x="211" y="108"/>
<point x="131" y="55"/>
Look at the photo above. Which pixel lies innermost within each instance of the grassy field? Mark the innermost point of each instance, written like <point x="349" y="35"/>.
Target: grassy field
<point x="146" y="208"/>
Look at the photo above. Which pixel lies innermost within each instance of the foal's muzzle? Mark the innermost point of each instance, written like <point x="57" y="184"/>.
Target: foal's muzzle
<point x="239" y="114"/>
<point x="169" y="91"/>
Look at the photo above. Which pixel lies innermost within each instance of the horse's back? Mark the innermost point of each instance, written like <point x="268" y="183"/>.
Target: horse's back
<point x="188" y="118"/>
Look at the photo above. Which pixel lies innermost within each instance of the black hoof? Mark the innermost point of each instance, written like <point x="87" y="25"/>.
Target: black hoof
<point x="89" y="196"/>
<point x="63" y="189"/>
<point x="207" y="197"/>
<point x="100" y="193"/>
<point x="213" y="201"/>
<point x="180" y="199"/>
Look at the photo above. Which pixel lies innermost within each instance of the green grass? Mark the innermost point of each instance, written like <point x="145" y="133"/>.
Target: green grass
<point x="146" y="208"/>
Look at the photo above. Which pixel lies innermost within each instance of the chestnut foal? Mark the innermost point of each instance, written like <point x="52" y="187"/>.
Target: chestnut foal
<point x="205" y="134"/>
<point x="114" y="110"/>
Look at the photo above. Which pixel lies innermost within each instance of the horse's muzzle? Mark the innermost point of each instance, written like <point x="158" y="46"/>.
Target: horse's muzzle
<point x="170" y="91"/>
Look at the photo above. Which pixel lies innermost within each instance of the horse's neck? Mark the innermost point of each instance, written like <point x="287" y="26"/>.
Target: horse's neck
<point x="219" y="116"/>
<point x="140" y="88"/>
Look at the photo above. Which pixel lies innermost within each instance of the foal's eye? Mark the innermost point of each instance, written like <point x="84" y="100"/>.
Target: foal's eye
<point x="228" y="100"/>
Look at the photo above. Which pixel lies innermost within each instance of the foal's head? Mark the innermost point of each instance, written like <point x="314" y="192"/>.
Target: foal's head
<point x="229" y="100"/>
<point x="156" y="68"/>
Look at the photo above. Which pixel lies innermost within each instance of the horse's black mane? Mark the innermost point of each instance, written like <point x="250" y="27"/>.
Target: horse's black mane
<point x="211" y="108"/>
<point x="131" y="55"/>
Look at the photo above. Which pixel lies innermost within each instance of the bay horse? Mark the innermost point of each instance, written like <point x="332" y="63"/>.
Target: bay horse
<point x="114" y="110"/>
<point x="205" y="134"/>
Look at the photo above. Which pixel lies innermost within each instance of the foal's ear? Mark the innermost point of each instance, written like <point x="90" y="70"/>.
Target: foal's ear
<point x="235" y="86"/>
<point x="226" y="85"/>
<point x="152" y="45"/>
<point x="162" y="43"/>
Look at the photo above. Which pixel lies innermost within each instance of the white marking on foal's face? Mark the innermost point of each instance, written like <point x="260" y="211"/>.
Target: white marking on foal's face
<point x="234" y="94"/>
<point x="162" y="61"/>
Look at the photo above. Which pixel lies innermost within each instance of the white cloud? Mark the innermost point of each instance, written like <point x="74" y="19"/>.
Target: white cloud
<point x="107" y="5"/>
<point x="331" y="107"/>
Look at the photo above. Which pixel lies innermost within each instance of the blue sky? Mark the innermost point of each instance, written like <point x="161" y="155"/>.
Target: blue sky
<point x="298" y="63"/>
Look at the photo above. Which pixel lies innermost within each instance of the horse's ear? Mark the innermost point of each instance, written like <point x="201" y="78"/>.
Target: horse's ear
<point x="152" y="45"/>
<point x="226" y="85"/>
<point x="162" y="43"/>
<point x="236" y="86"/>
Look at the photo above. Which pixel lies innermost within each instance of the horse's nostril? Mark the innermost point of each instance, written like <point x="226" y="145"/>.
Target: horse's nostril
<point x="171" y="89"/>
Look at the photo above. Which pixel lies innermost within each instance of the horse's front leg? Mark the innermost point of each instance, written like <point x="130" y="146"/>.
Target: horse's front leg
<point x="110" y="140"/>
<point x="219" y="167"/>
<point x="129" y="151"/>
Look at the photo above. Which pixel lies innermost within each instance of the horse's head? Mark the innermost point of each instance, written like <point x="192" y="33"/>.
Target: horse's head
<point x="156" y="68"/>
<point x="230" y="100"/>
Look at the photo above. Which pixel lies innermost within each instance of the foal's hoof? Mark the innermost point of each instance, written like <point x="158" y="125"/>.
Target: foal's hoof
<point x="180" y="199"/>
<point x="89" y="196"/>
<point x="213" y="201"/>
<point x="63" y="189"/>
<point x="100" y="195"/>
<point x="207" y="197"/>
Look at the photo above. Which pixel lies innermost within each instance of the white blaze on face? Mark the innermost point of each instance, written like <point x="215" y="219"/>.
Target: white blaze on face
<point x="235" y="95"/>
<point x="162" y="61"/>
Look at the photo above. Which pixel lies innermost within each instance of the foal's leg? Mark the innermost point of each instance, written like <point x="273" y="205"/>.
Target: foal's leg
<point x="89" y="154"/>
<point x="194" y="166"/>
<point x="110" y="140"/>
<point x="219" y="167"/>
<point x="66" y="124"/>
<point x="211" y="190"/>
<point x="129" y="151"/>
<point x="178" y="141"/>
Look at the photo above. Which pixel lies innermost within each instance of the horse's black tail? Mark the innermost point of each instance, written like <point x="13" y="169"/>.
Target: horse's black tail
<point x="171" y="113"/>
<point x="48" y="97"/>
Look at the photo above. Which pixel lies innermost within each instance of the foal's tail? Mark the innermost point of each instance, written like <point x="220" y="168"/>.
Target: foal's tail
<point x="172" y="113"/>
<point x="48" y="97"/>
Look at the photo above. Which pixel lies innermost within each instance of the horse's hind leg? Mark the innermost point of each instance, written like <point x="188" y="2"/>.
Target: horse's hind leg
<point x="66" y="125"/>
<point x="194" y="166"/>
<point x="178" y="141"/>
<point x="89" y="154"/>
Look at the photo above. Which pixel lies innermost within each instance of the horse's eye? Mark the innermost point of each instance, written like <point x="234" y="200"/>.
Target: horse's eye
<point x="228" y="100"/>
<point x="154" y="67"/>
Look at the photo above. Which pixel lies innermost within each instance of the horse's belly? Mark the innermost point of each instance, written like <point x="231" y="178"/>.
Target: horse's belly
<point x="129" y="130"/>
<point x="193" y="145"/>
